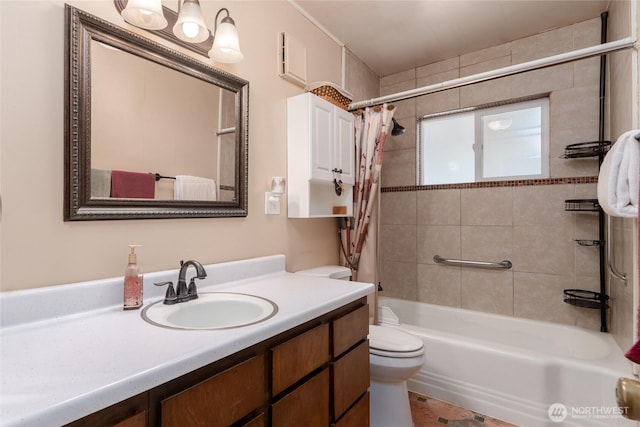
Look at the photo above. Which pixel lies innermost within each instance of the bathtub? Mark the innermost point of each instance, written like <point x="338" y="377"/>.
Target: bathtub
<point x="513" y="369"/>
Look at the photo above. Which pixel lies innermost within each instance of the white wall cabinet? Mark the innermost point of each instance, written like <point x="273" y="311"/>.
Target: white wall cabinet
<point x="320" y="147"/>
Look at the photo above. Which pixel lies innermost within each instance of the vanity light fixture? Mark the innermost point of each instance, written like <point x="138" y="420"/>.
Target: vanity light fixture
<point x="189" y="30"/>
<point x="226" y="46"/>
<point x="145" y="14"/>
<point x="190" y="26"/>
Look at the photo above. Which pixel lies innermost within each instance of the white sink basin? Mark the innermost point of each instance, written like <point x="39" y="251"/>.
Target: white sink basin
<point x="215" y="310"/>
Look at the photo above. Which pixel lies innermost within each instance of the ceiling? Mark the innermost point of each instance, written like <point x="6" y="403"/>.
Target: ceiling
<point x="395" y="35"/>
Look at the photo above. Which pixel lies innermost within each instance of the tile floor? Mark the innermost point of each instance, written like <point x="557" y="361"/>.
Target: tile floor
<point x="430" y="412"/>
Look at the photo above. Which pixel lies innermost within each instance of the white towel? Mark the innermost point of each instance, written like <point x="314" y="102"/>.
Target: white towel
<point x="100" y="183"/>
<point x="619" y="175"/>
<point x="194" y="188"/>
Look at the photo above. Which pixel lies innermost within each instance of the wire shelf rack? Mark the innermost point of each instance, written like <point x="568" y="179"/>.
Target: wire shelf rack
<point x="583" y="242"/>
<point x="586" y="299"/>
<point x="583" y="205"/>
<point x="586" y="149"/>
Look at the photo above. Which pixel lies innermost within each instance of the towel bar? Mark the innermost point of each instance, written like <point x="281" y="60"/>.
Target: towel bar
<point x="502" y="265"/>
<point x="159" y="177"/>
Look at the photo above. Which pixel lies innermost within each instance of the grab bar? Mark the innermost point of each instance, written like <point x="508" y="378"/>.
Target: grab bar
<point x="502" y="265"/>
<point x="610" y="262"/>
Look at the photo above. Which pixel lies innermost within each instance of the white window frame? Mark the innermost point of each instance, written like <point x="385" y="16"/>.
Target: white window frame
<point x="541" y="101"/>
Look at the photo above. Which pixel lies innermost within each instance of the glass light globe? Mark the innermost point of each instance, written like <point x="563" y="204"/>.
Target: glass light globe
<point x="145" y="14"/>
<point x="190" y="26"/>
<point x="226" y="46"/>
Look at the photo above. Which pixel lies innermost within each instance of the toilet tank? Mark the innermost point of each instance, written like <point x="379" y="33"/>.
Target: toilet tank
<point x="328" y="271"/>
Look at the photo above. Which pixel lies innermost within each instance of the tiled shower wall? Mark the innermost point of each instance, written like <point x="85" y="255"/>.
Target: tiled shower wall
<point x="526" y="224"/>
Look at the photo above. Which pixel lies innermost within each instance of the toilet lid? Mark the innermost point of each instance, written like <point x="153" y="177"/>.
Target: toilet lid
<point x="393" y="340"/>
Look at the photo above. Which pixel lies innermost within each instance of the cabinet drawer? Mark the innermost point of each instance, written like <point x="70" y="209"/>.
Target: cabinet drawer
<point x="350" y="378"/>
<point x="220" y="400"/>
<point x="299" y="356"/>
<point x="358" y="415"/>
<point x="307" y="405"/>
<point x="350" y="329"/>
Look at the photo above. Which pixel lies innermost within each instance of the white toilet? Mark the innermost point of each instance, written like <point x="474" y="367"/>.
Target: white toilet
<point x="394" y="355"/>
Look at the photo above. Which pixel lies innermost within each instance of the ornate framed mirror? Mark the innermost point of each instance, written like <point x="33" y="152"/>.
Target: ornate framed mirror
<point x="149" y="132"/>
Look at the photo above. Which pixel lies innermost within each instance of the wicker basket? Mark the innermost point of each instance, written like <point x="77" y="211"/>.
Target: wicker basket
<point x="330" y="93"/>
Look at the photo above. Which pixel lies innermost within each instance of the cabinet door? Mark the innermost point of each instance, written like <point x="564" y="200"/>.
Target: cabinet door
<point x="221" y="400"/>
<point x="358" y="415"/>
<point x="344" y="145"/>
<point x="350" y="378"/>
<point x="350" y="329"/>
<point x="307" y="405"/>
<point x="299" y="356"/>
<point x="322" y="139"/>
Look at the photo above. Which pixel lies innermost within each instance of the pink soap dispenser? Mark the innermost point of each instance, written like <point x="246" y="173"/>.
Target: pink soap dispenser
<point x="132" y="282"/>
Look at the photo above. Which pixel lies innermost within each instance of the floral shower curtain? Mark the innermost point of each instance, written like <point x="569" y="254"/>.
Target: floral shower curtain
<point x="371" y="129"/>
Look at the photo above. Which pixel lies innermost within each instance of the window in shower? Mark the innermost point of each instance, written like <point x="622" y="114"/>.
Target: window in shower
<point x="489" y="143"/>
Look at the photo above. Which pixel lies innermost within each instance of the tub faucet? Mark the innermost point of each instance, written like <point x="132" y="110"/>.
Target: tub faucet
<point x="183" y="292"/>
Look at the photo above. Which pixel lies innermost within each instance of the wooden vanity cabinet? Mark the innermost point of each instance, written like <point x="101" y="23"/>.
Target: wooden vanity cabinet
<point x="315" y="374"/>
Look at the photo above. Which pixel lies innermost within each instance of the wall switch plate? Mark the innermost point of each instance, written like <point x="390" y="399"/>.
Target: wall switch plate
<point x="271" y="204"/>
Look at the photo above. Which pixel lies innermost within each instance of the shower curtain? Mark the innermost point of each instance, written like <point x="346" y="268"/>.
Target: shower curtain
<point x="358" y="236"/>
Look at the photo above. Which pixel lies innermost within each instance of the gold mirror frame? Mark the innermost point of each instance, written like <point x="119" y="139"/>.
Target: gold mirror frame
<point x="80" y="29"/>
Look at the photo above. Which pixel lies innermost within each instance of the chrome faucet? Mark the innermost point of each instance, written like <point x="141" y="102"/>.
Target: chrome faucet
<point x="183" y="292"/>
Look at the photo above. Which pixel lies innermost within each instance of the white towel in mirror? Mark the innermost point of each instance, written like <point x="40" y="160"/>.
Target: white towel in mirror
<point x="189" y="187"/>
<point x="100" y="183"/>
<point x="619" y="176"/>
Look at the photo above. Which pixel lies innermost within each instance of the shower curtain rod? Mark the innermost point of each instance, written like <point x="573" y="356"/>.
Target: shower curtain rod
<point x="562" y="58"/>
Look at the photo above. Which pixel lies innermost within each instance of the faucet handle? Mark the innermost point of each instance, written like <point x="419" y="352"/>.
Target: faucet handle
<point x="192" y="291"/>
<point x="170" y="296"/>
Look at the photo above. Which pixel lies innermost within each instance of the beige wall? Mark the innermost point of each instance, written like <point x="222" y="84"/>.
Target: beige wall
<point x="39" y="249"/>
<point x="526" y="224"/>
<point x="361" y="82"/>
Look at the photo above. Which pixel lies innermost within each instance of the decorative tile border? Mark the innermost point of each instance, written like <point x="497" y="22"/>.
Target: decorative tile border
<point x="492" y="184"/>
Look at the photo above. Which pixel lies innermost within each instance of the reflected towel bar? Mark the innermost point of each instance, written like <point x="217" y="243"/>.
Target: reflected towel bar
<point x="502" y="265"/>
<point x="159" y="177"/>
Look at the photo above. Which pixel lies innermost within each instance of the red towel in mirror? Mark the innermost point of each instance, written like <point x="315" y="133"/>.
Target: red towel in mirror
<point x="133" y="185"/>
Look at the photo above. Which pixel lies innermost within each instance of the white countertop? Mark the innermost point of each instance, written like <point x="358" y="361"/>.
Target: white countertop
<point x="61" y="367"/>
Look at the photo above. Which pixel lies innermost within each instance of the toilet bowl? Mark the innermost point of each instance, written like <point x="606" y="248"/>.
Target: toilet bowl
<point x="394" y="356"/>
